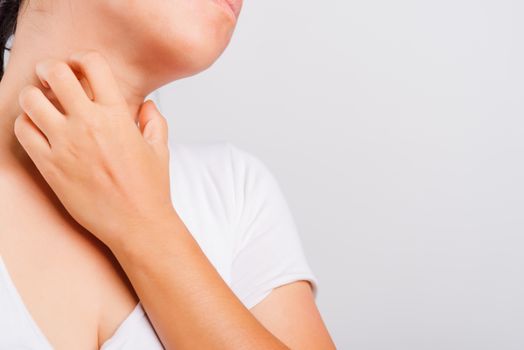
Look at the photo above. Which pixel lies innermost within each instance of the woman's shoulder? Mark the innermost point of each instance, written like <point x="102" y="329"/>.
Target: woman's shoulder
<point x="200" y="150"/>
<point x="222" y="180"/>
<point x="222" y="160"/>
<point x="210" y="151"/>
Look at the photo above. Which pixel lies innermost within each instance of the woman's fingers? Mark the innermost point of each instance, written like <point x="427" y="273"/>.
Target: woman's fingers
<point x="31" y="138"/>
<point x="58" y="76"/>
<point x="41" y="111"/>
<point x="96" y="69"/>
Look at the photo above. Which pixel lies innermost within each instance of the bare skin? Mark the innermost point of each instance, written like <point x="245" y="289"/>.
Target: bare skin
<point x="67" y="279"/>
<point x="70" y="280"/>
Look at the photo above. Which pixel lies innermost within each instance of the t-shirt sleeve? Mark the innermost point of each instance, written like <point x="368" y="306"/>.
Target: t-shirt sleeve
<point x="268" y="252"/>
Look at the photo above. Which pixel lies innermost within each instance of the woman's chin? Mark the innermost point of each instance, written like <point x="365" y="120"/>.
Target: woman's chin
<point x="187" y="60"/>
<point x="198" y="53"/>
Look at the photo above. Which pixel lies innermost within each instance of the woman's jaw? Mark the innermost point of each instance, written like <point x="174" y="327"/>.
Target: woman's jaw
<point x="147" y="44"/>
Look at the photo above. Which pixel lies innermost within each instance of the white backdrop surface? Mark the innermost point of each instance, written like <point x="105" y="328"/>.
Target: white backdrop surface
<point x="395" y="129"/>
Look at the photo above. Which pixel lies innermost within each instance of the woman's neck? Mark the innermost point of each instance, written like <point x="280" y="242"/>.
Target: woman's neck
<point x="26" y="51"/>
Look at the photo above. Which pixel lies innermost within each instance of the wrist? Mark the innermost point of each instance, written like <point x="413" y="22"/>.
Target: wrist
<point x="137" y="236"/>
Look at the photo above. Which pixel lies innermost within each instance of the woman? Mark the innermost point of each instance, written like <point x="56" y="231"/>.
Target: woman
<point x="110" y="239"/>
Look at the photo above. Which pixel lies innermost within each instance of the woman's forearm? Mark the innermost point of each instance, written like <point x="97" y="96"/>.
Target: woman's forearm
<point x="187" y="301"/>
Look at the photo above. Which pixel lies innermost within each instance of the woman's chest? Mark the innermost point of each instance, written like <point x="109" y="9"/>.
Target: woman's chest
<point x="61" y="285"/>
<point x="73" y="289"/>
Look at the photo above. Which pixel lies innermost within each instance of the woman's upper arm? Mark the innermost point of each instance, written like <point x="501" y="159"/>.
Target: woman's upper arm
<point x="290" y="313"/>
<point x="269" y="272"/>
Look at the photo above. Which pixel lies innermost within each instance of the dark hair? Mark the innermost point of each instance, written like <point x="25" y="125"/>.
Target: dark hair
<point x="8" y="15"/>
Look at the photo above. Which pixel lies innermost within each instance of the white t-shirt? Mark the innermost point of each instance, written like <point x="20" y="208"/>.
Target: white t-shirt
<point x="235" y="209"/>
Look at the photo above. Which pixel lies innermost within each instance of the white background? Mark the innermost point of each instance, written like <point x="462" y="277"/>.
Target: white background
<point x="395" y="129"/>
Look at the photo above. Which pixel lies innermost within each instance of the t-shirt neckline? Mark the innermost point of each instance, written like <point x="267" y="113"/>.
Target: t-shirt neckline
<point x="17" y="298"/>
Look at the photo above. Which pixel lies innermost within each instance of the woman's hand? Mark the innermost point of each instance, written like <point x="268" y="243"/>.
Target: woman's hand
<point x="113" y="178"/>
<point x="109" y="173"/>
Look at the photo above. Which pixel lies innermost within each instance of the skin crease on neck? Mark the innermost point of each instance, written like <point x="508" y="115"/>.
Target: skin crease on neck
<point x="147" y="45"/>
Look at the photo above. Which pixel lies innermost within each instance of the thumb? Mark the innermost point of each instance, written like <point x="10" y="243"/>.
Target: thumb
<point x="153" y="125"/>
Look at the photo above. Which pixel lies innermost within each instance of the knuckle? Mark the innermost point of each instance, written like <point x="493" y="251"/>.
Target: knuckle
<point x="42" y="65"/>
<point x="72" y="150"/>
<point x="28" y="94"/>
<point x="91" y="57"/>
<point x="58" y="70"/>
<point x="88" y="58"/>
<point x="91" y="125"/>
<point x="19" y="125"/>
<point x="163" y="121"/>
<point x="64" y="150"/>
<point x="164" y="125"/>
<point x="52" y="172"/>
